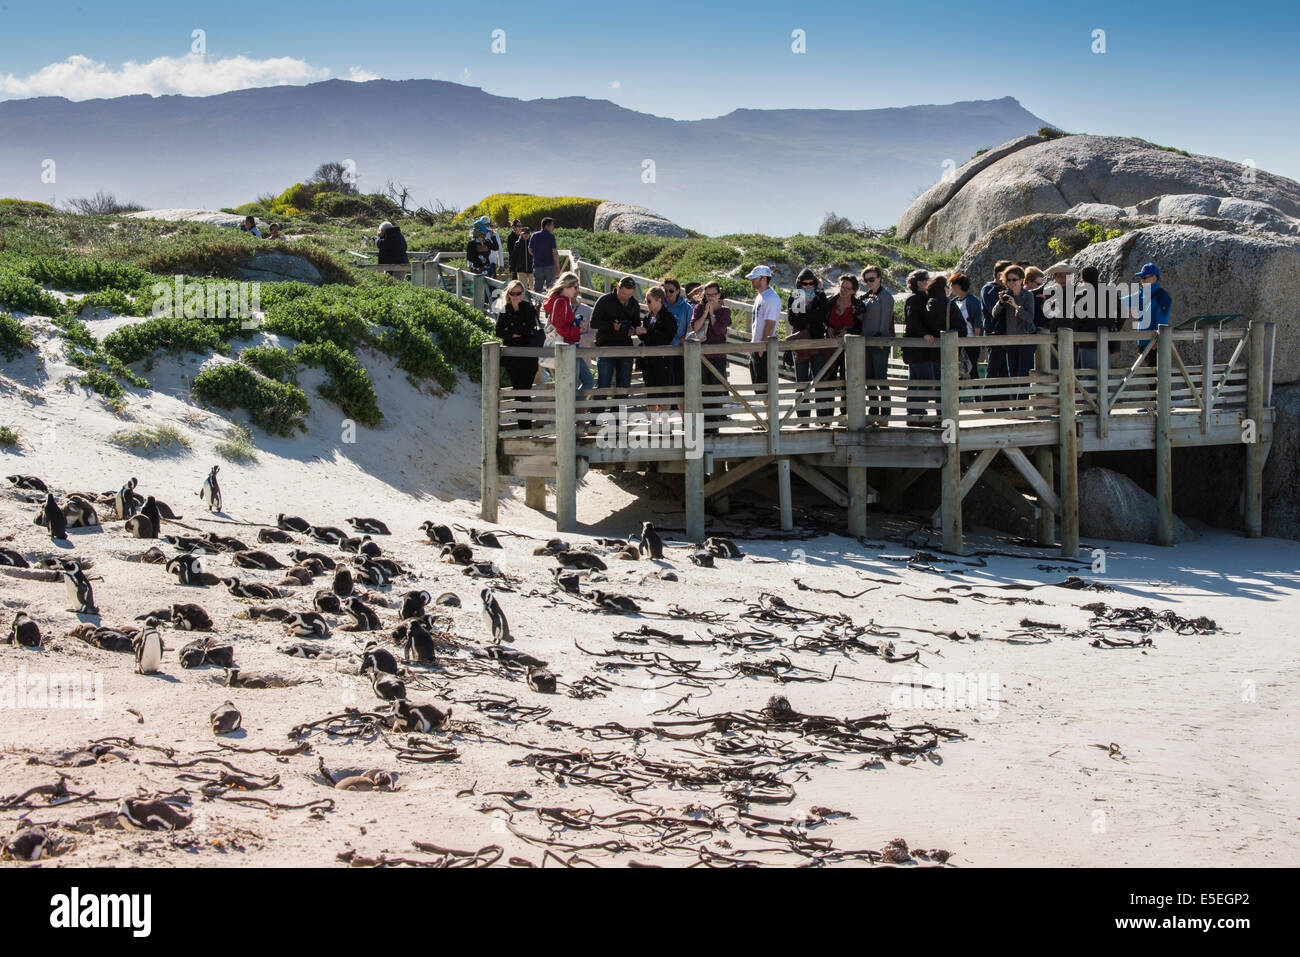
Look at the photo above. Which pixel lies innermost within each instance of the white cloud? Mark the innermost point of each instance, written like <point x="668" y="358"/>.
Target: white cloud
<point x="615" y="84"/>
<point x="80" y="78"/>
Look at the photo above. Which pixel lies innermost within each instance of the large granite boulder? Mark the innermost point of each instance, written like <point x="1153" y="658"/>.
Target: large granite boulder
<point x="1282" y="468"/>
<point x="625" y="218"/>
<point x="280" y="267"/>
<point x="1055" y="175"/>
<point x="1114" y="507"/>
<point x="213" y="217"/>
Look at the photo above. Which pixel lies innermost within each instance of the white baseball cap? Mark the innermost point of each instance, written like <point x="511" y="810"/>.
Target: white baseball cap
<point x="760" y="271"/>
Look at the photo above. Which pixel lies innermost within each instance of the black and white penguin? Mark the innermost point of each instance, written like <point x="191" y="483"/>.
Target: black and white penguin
<point x="291" y="523"/>
<point x="371" y="525"/>
<point x="611" y="602"/>
<point x="513" y="657"/>
<point x="29" y="482"/>
<point x="188" y="543"/>
<point x="149" y="815"/>
<point x="54" y="519"/>
<point x="327" y="601"/>
<point x="252" y="558"/>
<point x="328" y="533"/>
<point x="368" y="547"/>
<point x="269" y="612"/>
<point x="126" y="501"/>
<point x="723" y="547"/>
<point x="372" y="573"/>
<point x="420" y="718"/>
<point x="189" y="571"/>
<point x="482" y="570"/>
<point x="702" y="558"/>
<point x="150" y="510"/>
<point x="251" y="589"/>
<point x="224" y="543"/>
<point x="187" y="616"/>
<point x="387" y="687"/>
<point x="297" y="576"/>
<point x="577" y="558"/>
<point x="24" y="631"/>
<point x="438" y="534"/>
<point x="225" y="718"/>
<point x="541" y="679"/>
<point x="274" y="536"/>
<point x="651" y="544"/>
<point x="553" y="546"/>
<point x="80" y="513"/>
<point x="374" y="658"/>
<point x="307" y="624"/>
<point x="223" y="656"/>
<point x="12" y="558"/>
<point x="414" y="603"/>
<point x="343" y="584"/>
<point x="31" y="843"/>
<point x="568" y="580"/>
<point x="80" y="594"/>
<point x="140" y="526"/>
<point x="448" y="599"/>
<point x="148" y="651"/>
<point x="193" y="654"/>
<point x="494" y="617"/>
<point x="486" y="539"/>
<point x="419" y="642"/>
<point x="210" y="493"/>
<point x="363" y="616"/>
<point x="302" y="555"/>
<point x="457" y="554"/>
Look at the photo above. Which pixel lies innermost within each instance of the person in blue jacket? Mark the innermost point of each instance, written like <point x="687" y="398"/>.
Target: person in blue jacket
<point x="1149" y="306"/>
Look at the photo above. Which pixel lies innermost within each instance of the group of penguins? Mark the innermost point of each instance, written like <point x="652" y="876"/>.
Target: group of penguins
<point x="144" y="516"/>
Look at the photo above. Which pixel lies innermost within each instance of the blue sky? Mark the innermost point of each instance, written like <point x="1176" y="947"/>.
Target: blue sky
<point x="1208" y="77"/>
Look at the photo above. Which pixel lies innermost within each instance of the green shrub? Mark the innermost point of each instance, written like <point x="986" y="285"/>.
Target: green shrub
<point x="114" y="300"/>
<point x="237" y="446"/>
<point x="78" y="274"/>
<point x="14" y="337"/>
<point x="347" y="385"/>
<point x="274" y="406"/>
<point x="8" y="436"/>
<point x="569" y="212"/>
<point x="371" y="207"/>
<point x="103" y="383"/>
<point x="24" y="294"/>
<point x="162" y="334"/>
<point x="25" y="207"/>
<point x="272" y="361"/>
<point x="160" y="438"/>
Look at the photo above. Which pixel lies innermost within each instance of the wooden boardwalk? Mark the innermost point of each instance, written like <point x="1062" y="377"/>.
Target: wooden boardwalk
<point x="1208" y="386"/>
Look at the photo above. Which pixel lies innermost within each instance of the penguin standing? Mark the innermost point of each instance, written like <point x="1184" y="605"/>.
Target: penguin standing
<point x="419" y="642"/>
<point x="54" y="518"/>
<point x="211" y="491"/>
<point x="342" y="582"/>
<point x="80" y="594"/>
<point x="24" y="631"/>
<point x="413" y="604"/>
<point x="148" y="651"/>
<point x="125" y="500"/>
<point x="150" y="510"/>
<point x="363" y="616"/>
<point x="494" y="617"/>
<point x="651" y="543"/>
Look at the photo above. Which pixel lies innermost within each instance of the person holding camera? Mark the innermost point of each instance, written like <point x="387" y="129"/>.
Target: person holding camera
<point x="1014" y="315"/>
<point x="616" y="319"/>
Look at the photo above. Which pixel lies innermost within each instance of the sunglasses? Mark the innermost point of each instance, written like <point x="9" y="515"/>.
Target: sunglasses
<point x="873" y="279"/>
<point x="517" y="292"/>
<point x="807" y="285"/>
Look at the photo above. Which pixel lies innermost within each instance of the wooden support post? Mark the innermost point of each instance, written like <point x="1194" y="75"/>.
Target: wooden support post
<point x="773" y="398"/>
<point x="566" y="438"/>
<point x="783" y="490"/>
<point x="1164" y="446"/>
<point x="480" y="292"/>
<point x="460" y="284"/>
<point x="1047" y="505"/>
<point x="1068" y="444"/>
<point x="693" y="427"/>
<point x="950" y="473"/>
<point x="1103" y="383"/>
<point x="489" y="481"/>
<point x="1256" y="370"/>
<point x="855" y="401"/>
<point x="535" y="492"/>
<point x="1207" y="377"/>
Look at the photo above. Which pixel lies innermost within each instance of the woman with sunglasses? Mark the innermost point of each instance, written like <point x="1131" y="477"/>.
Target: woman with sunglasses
<point x="518" y="325"/>
<point x="709" y="324"/>
<point x="660" y="328"/>
<point x="807" y="317"/>
<point x="560" y="305"/>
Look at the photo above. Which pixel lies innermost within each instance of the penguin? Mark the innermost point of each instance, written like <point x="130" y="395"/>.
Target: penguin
<point x="165" y="510"/>
<point x="79" y="513"/>
<point x="148" y="651"/>
<point x="611" y="602"/>
<point x="486" y="539"/>
<point x="576" y="558"/>
<point x="421" y="718"/>
<point x="374" y="658"/>
<point x="567" y="580"/>
<point x="188" y="543"/>
<point x="54" y="519"/>
<point x="291" y="523"/>
<point x="628" y="553"/>
<point x="458" y="554"/>
<point x="371" y="573"/>
<point x="12" y="558"/>
<point x="153" y="556"/>
<point x="223" y="656"/>
<point x="302" y="555"/>
<point x="328" y="533"/>
<point x="187" y="616"/>
<point x="270" y="612"/>
<point x="702" y="558"/>
<point x="342" y="582"/>
<point x="149" y="815"/>
<point x="541" y="679"/>
<point x="363" y="616"/>
<point x="255" y="559"/>
<point x="552" y="547"/>
<point x="237" y="678"/>
<point x="125" y="500"/>
<point x="224" y="543"/>
<point x="28" y="482"/>
<point x="210" y="493"/>
<point x="723" y="547"/>
<point x="494" y="617"/>
<point x="368" y="547"/>
<point x="225" y="718"/>
<point x="419" y="642"/>
<point x="372" y="525"/>
<point x="193" y="655"/>
<point x="251" y="589"/>
<point x="387" y="687"/>
<point x="651" y="544"/>
<point x="150" y="509"/>
<point x="189" y="571"/>
<point x="80" y="594"/>
<point x="24" y="631"/>
<point x="327" y="601"/>
<point x="297" y="576"/>
<point x="106" y="639"/>
<point x="302" y="650"/>
<point x="31" y="843"/>
<point x="274" y="536"/>
<point x="307" y="624"/>
<point x="448" y="599"/>
<point x="140" y="526"/>
<point x="513" y="656"/>
<point x="483" y="570"/>
<point x="414" y="603"/>
<point x="438" y="534"/>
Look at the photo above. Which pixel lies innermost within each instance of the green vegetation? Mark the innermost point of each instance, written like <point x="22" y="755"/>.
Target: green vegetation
<point x="150" y="440"/>
<point x="274" y="406"/>
<point x="1051" y="133"/>
<point x="569" y="212"/>
<point x="237" y="446"/>
<point x="14" y="337"/>
<point x="1167" y="149"/>
<point x="273" y="362"/>
<point x="8" y="437"/>
<point x="103" y="383"/>
<point x="1082" y="235"/>
<point x="25" y="208"/>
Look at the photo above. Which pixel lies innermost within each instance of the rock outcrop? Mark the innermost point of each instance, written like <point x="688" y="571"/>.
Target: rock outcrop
<point x="213" y="217"/>
<point x="280" y="267"/>
<point x="1113" y="506"/>
<point x="625" y="218"/>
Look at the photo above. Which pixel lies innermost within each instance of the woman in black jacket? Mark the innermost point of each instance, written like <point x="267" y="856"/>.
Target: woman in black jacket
<point x="660" y="330"/>
<point x="391" y="245"/>
<point x="922" y="361"/>
<point x="807" y="319"/>
<point x="518" y="325"/>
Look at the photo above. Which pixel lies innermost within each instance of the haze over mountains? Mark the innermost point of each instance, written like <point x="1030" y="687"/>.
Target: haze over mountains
<point x="771" y="171"/>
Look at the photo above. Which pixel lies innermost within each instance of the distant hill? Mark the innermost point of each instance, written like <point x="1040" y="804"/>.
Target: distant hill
<point x="772" y="171"/>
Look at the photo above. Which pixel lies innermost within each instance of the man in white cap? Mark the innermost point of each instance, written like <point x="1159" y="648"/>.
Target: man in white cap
<point x="1058" y="297"/>
<point x="767" y="312"/>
